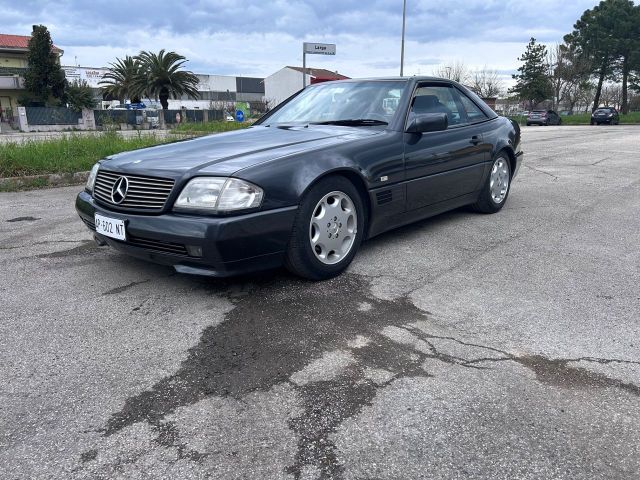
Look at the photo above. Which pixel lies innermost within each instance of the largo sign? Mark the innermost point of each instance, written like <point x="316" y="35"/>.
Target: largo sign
<point x="314" y="49"/>
<point x="320" y="48"/>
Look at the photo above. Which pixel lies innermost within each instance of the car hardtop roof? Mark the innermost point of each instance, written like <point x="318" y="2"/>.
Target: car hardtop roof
<point x="392" y="79"/>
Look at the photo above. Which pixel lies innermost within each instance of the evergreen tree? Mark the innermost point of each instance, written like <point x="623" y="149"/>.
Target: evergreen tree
<point x="533" y="84"/>
<point x="608" y="38"/>
<point x="44" y="79"/>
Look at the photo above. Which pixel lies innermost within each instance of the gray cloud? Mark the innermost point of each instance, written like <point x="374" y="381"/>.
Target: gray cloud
<point x="118" y="27"/>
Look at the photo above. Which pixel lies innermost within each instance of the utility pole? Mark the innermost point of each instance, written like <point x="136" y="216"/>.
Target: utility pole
<point x="404" y="17"/>
<point x="304" y="66"/>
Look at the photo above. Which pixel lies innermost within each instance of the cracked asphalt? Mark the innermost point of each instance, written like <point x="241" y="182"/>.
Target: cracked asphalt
<point x="464" y="346"/>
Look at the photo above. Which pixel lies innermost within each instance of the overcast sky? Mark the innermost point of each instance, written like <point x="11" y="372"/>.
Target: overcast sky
<point x="258" y="37"/>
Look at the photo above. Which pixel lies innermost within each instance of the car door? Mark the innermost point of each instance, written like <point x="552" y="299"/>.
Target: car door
<point x="447" y="164"/>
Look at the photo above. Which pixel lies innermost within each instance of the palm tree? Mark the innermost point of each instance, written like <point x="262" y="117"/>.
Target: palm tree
<point x="160" y="76"/>
<point x="121" y="81"/>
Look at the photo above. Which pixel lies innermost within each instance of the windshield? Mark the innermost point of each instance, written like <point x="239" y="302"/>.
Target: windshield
<point x="348" y="103"/>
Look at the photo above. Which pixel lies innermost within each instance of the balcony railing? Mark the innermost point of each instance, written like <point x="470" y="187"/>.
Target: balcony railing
<point x="11" y="83"/>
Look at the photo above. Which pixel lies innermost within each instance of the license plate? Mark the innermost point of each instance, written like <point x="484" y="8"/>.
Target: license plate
<point x="110" y="227"/>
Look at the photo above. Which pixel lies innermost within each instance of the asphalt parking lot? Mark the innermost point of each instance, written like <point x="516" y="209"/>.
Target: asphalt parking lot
<point x="464" y="346"/>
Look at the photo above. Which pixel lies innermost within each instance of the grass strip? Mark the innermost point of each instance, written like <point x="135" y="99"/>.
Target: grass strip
<point x="209" y="127"/>
<point x="68" y="154"/>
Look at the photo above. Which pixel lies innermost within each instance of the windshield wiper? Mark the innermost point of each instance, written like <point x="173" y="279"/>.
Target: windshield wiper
<point x="353" y="122"/>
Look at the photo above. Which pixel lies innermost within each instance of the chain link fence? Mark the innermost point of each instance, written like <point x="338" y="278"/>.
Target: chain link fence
<point x="52" y="116"/>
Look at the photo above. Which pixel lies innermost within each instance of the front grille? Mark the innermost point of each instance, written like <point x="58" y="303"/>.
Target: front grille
<point x="144" y="193"/>
<point x="157" y="246"/>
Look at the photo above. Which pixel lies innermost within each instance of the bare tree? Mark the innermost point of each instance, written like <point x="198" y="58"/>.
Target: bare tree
<point x="570" y="77"/>
<point x="456" y="71"/>
<point x="579" y="94"/>
<point x="486" y="82"/>
<point x="611" y="95"/>
<point x="559" y="71"/>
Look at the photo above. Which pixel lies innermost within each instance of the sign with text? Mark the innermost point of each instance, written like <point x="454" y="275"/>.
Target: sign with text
<point x="320" y="48"/>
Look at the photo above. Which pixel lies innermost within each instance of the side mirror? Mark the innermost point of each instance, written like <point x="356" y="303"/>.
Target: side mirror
<point x="428" y="122"/>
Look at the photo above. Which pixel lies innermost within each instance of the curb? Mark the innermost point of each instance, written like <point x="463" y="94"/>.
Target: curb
<point x="39" y="181"/>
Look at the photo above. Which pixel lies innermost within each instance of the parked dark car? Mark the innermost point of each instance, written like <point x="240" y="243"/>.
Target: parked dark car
<point x="605" y="115"/>
<point x="543" y="117"/>
<point x="337" y="163"/>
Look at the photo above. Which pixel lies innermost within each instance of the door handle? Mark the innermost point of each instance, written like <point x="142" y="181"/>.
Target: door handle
<point x="475" y="139"/>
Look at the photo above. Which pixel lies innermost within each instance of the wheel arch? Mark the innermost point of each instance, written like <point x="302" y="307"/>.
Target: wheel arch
<point x="508" y="149"/>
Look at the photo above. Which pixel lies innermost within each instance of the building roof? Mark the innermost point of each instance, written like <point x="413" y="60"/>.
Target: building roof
<point x="321" y="73"/>
<point x="19" y="42"/>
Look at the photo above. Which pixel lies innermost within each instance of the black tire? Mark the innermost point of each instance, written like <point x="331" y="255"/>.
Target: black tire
<point x="485" y="202"/>
<point x="528" y="124"/>
<point x="592" y="122"/>
<point x="560" y="121"/>
<point x="300" y="258"/>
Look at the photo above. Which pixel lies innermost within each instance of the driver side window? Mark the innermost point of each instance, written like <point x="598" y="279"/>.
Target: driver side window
<point x="436" y="99"/>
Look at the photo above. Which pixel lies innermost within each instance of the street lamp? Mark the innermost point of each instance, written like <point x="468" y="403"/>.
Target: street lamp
<point x="404" y="17"/>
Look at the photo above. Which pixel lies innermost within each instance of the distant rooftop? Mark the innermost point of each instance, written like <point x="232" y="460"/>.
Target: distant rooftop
<point x="19" y="42"/>
<point x="321" y="73"/>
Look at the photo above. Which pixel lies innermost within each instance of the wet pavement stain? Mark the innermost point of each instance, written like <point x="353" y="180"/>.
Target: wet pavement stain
<point x="23" y="219"/>
<point x="281" y="325"/>
<point x="559" y="373"/>
<point x="272" y="333"/>
<point x="89" y="455"/>
<point x="87" y="246"/>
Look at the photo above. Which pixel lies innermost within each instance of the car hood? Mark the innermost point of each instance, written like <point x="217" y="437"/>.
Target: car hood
<point x="226" y="153"/>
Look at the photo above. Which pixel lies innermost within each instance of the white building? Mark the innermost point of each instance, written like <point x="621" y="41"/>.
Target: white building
<point x="288" y="80"/>
<point x="215" y="91"/>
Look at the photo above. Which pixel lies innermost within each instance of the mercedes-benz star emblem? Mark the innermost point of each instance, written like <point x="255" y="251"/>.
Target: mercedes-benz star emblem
<point x="119" y="190"/>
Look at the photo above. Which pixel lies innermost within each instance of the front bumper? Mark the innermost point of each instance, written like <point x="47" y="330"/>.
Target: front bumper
<point x="198" y="244"/>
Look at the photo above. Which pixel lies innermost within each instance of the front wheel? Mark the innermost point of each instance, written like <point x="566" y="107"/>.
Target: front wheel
<point x="327" y="231"/>
<point x="496" y="189"/>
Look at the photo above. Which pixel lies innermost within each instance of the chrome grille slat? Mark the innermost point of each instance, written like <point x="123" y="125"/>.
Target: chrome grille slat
<point x="144" y="193"/>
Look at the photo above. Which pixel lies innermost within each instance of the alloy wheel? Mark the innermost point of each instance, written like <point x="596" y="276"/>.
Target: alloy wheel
<point x="333" y="227"/>
<point x="499" y="180"/>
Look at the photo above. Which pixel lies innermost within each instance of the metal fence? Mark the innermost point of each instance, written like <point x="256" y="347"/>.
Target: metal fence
<point x="173" y="117"/>
<point x="114" y="117"/>
<point x="52" y="116"/>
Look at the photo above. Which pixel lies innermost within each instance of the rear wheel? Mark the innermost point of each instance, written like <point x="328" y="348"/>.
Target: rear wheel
<point x="496" y="189"/>
<point x="327" y="231"/>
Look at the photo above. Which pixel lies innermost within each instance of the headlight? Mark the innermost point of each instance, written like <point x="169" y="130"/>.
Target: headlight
<point x="91" y="179"/>
<point x="219" y="195"/>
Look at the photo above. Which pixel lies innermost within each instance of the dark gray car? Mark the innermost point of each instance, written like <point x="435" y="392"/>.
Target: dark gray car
<point x="336" y="164"/>
<point x="543" y="117"/>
